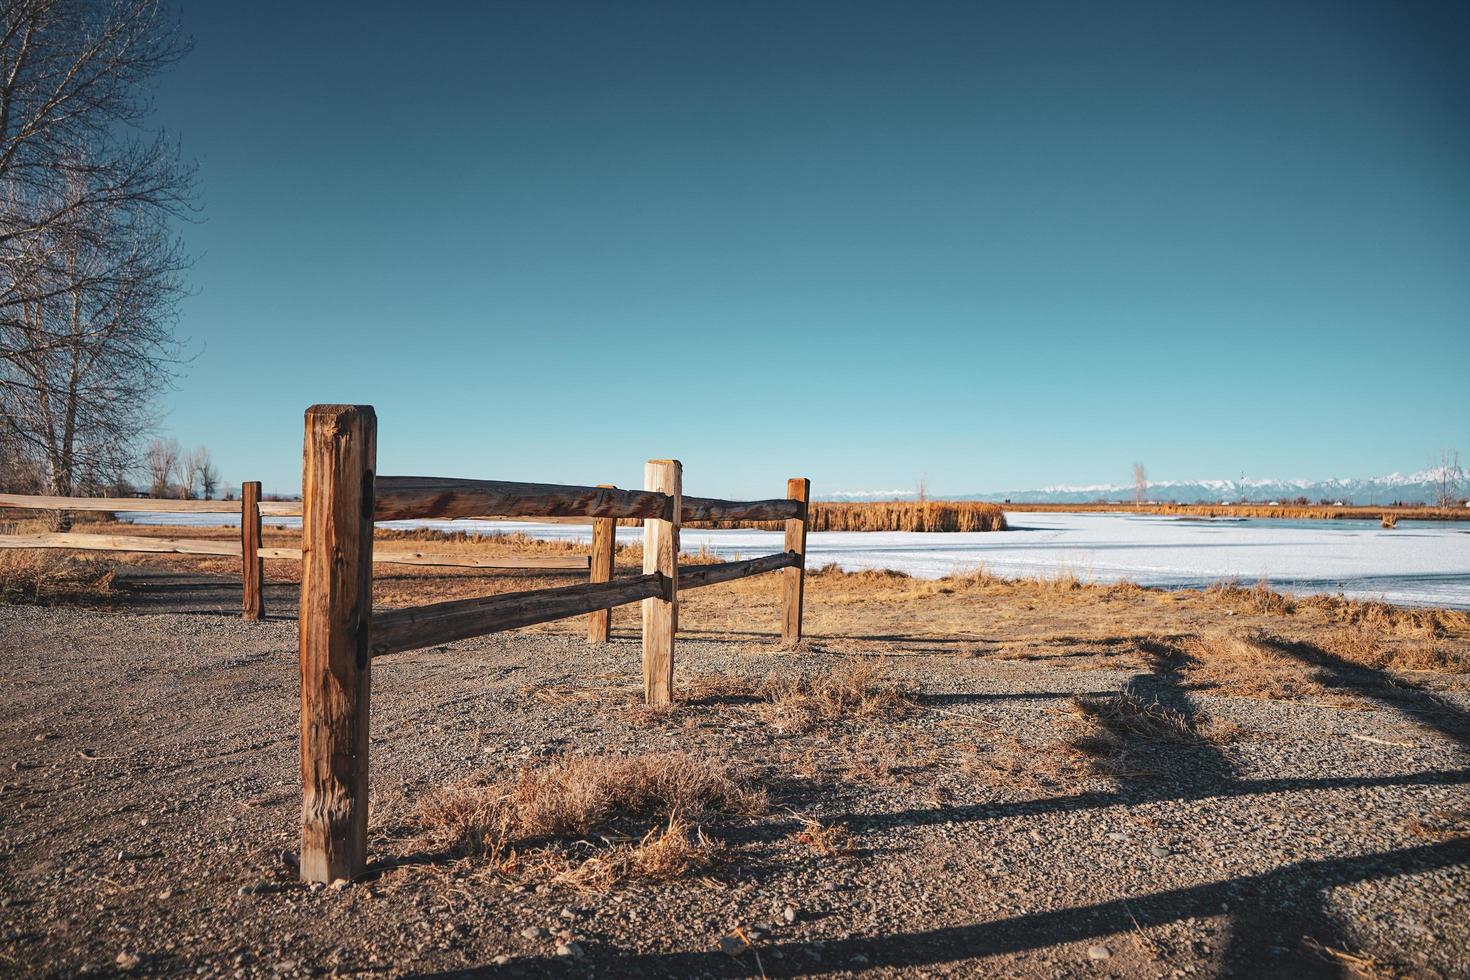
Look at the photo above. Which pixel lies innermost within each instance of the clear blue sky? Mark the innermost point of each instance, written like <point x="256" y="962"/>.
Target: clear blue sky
<point x="1003" y="245"/>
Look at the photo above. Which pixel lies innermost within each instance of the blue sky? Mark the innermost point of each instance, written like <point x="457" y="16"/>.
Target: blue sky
<point x="1003" y="245"/>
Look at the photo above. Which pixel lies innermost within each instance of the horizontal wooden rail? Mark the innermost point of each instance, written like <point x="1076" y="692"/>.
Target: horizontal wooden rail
<point x="710" y="509"/>
<point x="211" y="546"/>
<point x="122" y="542"/>
<point x="398" y="630"/>
<point x="405" y="497"/>
<point x="696" y="576"/>
<point x="145" y="505"/>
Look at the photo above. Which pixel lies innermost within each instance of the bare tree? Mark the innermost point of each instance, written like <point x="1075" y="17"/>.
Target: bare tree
<point x="160" y="460"/>
<point x="1449" y="479"/>
<point x="1140" y="483"/>
<point x="208" y="476"/>
<point x="89" y="271"/>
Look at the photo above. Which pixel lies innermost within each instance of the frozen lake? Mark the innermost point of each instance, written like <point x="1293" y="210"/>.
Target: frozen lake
<point x="1417" y="563"/>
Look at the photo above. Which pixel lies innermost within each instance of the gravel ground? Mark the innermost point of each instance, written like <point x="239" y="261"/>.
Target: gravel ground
<point x="151" y="784"/>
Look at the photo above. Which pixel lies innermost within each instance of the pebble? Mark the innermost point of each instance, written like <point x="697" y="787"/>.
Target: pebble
<point x="341" y="885"/>
<point x="1099" y="953"/>
<point x="570" y="949"/>
<point x="128" y="961"/>
<point x="568" y="913"/>
<point x="1159" y="850"/>
<point x="535" y="932"/>
<point x="501" y="960"/>
<point x="789" y="914"/>
<point x="732" y="945"/>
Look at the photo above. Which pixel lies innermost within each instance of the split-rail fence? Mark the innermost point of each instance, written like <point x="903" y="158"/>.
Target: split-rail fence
<point x="342" y="495"/>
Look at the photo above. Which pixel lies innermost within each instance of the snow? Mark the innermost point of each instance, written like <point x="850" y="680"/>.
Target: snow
<point x="1417" y="563"/>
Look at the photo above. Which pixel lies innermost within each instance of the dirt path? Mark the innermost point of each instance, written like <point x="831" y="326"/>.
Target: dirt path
<point x="150" y="785"/>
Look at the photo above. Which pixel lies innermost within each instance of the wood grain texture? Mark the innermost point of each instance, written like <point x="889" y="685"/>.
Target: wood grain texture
<point x="604" y="537"/>
<point x="145" y="505"/>
<point x="793" y="581"/>
<point x="405" y="497"/>
<point x="661" y="556"/>
<point x="336" y="619"/>
<point x="121" y="542"/>
<point x="397" y="630"/>
<point x="252" y="566"/>
<point x="710" y="509"/>
<point x="698" y="576"/>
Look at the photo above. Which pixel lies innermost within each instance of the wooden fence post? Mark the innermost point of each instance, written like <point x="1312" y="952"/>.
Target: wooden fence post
<point x="336" y="613"/>
<point x="252" y="566"/>
<point x="661" y="554"/>
<point x="793" y="579"/>
<point x="604" y="531"/>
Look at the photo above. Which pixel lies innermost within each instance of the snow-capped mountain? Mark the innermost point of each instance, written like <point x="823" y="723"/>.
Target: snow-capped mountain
<point x="1422" y="487"/>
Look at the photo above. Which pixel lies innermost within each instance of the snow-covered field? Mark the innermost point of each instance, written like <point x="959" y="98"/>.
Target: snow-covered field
<point x="1417" y="563"/>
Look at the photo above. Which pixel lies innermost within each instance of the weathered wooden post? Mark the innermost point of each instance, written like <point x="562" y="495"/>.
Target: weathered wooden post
<point x="661" y="554"/>
<point x="336" y="613"/>
<point x="252" y="566"/>
<point x="793" y="578"/>
<point x="604" y="531"/>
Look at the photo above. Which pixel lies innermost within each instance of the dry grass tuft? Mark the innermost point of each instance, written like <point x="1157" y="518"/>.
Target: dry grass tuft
<point x="828" y="840"/>
<point x="38" y="576"/>
<point x="1440" y="825"/>
<point x="665" y="853"/>
<point x="799" y="703"/>
<point x="1113" y="724"/>
<point x="1125" y="716"/>
<point x="1259" y="598"/>
<point x="575" y="796"/>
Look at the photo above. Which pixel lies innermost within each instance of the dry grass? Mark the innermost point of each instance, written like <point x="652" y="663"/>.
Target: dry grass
<point x="798" y="703"/>
<point x="1292" y="511"/>
<point x="1116" y="722"/>
<point x="889" y="515"/>
<point x="828" y="840"/>
<point x="48" y="576"/>
<point x="1441" y="825"/>
<point x="517" y="824"/>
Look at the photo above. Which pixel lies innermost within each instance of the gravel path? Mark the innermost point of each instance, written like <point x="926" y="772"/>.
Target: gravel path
<point x="150" y="785"/>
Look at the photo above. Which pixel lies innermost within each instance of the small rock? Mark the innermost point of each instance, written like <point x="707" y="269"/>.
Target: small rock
<point x="733" y="945"/>
<point x="535" y="932"/>
<point x="1159" y="850"/>
<point x="789" y="914"/>
<point x="569" y="949"/>
<point x="341" y="885"/>
<point x="501" y="960"/>
<point x="568" y="913"/>
<point x="859" y="959"/>
<point x="1099" y="953"/>
<point x="166" y="894"/>
<point x="1117" y="836"/>
<point x="128" y="961"/>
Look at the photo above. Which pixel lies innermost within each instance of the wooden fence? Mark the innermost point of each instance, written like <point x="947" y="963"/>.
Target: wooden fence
<point x="248" y="548"/>
<point x="342" y="496"/>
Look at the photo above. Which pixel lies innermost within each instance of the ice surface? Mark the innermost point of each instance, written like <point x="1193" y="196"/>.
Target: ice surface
<point x="1417" y="563"/>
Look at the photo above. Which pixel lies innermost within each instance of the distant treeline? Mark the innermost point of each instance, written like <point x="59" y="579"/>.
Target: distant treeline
<point x="892" y="515"/>
<point x="1294" y="511"/>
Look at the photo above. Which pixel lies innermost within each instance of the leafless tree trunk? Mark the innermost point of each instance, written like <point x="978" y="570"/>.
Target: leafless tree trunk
<point x="1140" y="483"/>
<point x="1450" y="479"/>
<point x="160" y="459"/>
<point x="89" y="271"/>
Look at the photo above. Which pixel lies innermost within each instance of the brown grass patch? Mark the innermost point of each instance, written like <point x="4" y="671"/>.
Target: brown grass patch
<point x="522" y="826"/>
<point x="828" y="840"/>
<point x="1441" y="824"/>
<point x="797" y="703"/>
<point x="37" y="576"/>
<point x="1116" y="722"/>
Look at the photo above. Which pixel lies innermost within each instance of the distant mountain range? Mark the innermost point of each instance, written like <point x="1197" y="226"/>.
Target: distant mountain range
<point x="1420" y="487"/>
